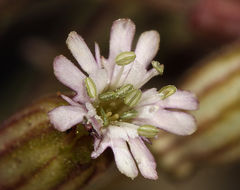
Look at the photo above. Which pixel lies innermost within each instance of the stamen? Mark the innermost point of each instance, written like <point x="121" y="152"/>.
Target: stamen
<point x="121" y="92"/>
<point x="104" y="117"/>
<point x="159" y="67"/>
<point x="167" y="91"/>
<point x="109" y="114"/>
<point x="129" y="115"/>
<point x="125" y="58"/>
<point x="91" y="87"/>
<point x="148" y="131"/>
<point x="114" y="117"/>
<point x="133" y="97"/>
<point x="110" y="95"/>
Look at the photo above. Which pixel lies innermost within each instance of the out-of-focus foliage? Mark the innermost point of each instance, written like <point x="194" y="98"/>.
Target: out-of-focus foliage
<point x="216" y="81"/>
<point x="33" y="155"/>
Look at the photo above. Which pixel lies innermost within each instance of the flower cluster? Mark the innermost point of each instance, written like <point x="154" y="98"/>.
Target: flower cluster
<point x="109" y="99"/>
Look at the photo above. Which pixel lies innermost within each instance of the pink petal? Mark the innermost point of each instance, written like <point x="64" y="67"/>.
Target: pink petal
<point x="100" y="79"/>
<point x="179" y="123"/>
<point x="70" y="101"/>
<point x="122" y="33"/>
<point x="123" y="158"/>
<point x="147" y="47"/>
<point x="64" y="117"/>
<point x="144" y="158"/>
<point x="180" y="100"/>
<point x="81" y="52"/>
<point x="97" y="55"/>
<point x="149" y="97"/>
<point x="99" y="148"/>
<point x="70" y="75"/>
<point x="135" y="75"/>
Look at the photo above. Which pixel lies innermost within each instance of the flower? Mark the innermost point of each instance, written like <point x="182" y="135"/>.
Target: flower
<point x="108" y="98"/>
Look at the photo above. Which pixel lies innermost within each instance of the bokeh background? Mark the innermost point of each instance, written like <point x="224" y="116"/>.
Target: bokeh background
<point x="33" y="32"/>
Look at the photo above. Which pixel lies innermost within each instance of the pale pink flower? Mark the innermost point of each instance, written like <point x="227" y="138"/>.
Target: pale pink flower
<point x="108" y="98"/>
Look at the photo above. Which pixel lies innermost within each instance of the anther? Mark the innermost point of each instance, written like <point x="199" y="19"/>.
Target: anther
<point x="133" y="97"/>
<point x="124" y="90"/>
<point x="128" y="115"/>
<point x="125" y="58"/>
<point x="148" y="131"/>
<point x="110" y="95"/>
<point x="91" y="87"/>
<point x="159" y="67"/>
<point x="167" y="91"/>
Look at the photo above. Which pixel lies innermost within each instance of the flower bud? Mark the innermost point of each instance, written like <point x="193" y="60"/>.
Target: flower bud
<point x="125" y="58"/>
<point x="167" y="91"/>
<point x="148" y="131"/>
<point x="33" y="155"/>
<point x="133" y="97"/>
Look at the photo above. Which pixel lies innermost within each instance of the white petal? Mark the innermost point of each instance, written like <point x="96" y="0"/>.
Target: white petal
<point x="116" y="132"/>
<point x="179" y="123"/>
<point x="96" y="124"/>
<point x="180" y="100"/>
<point x="123" y="158"/>
<point x="100" y="79"/>
<point x="130" y="129"/>
<point x="70" y="75"/>
<point x="147" y="77"/>
<point x="81" y="52"/>
<point x="69" y="100"/>
<point x="149" y="97"/>
<point x="135" y="75"/>
<point x="97" y="55"/>
<point x="144" y="158"/>
<point x="64" y="117"/>
<point x="101" y="147"/>
<point x="147" y="47"/>
<point x="122" y="33"/>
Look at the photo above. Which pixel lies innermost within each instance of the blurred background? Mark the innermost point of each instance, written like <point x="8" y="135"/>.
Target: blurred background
<point x="33" y="32"/>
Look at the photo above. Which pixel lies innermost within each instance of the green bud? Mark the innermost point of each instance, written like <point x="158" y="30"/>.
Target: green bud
<point x="129" y="115"/>
<point x="34" y="155"/>
<point x="148" y="131"/>
<point x="110" y="95"/>
<point x="133" y="97"/>
<point x="159" y="67"/>
<point x="125" y="58"/>
<point x="167" y="91"/>
<point x="104" y="117"/>
<point x="121" y="92"/>
<point x="91" y="87"/>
